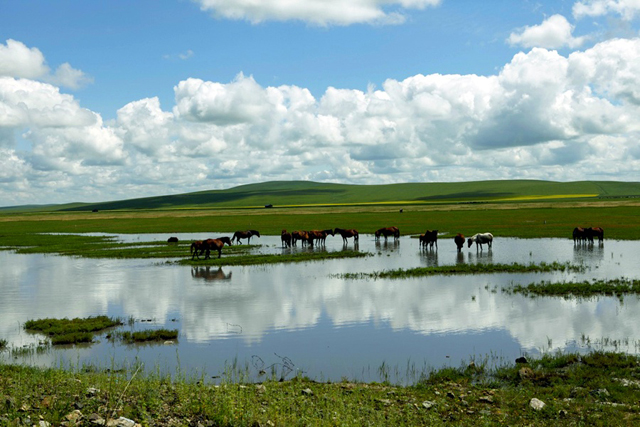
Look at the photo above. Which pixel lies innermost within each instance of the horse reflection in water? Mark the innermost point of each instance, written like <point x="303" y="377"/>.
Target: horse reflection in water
<point x="394" y="244"/>
<point x="209" y="274"/>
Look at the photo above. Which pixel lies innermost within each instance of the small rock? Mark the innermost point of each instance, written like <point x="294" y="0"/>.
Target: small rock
<point x="525" y="373"/>
<point x="307" y="392"/>
<point x="74" y="416"/>
<point x="97" y="420"/>
<point x="537" y="404"/>
<point x="522" y="360"/>
<point x="385" y="402"/>
<point x="44" y="424"/>
<point x="91" y="391"/>
<point x="260" y="388"/>
<point x="428" y="404"/>
<point x="451" y="395"/>
<point x="485" y="399"/>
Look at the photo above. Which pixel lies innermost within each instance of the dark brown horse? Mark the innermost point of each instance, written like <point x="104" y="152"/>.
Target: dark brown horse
<point x="245" y="235"/>
<point x="299" y="235"/>
<point x="429" y="238"/>
<point x="579" y="235"/>
<point x="459" y="239"/>
<point x="197" y="249"/>
<point x="388" y="231"/>
<point x="346" y="234"/>
<point x="285" y="237"/>
<point x="597" y="232"/>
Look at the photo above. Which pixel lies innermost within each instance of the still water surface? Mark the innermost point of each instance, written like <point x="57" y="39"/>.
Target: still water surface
<point x="301" y="318"/>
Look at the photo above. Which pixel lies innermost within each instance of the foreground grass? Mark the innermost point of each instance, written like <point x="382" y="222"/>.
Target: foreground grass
<point x="595" y="389"/>
<point x="584" y="289"/>
<point x="466" y="269"/>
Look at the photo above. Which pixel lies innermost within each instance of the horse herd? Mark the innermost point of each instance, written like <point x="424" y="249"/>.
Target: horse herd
<point x="318" y="237"/>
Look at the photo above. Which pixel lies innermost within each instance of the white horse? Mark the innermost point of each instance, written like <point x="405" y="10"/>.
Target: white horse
<point x="480" y="239"/>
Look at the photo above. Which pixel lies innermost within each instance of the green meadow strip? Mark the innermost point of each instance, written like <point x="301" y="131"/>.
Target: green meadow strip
<point x="71" y="331"/>
<point x="147" y="335"/>
<point x="273" y="259"/>
<point x="585" y="289"/>
<point x="466" y="269"/>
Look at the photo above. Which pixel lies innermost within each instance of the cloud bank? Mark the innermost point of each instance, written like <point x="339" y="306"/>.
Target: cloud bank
<point x="542" y="116"/>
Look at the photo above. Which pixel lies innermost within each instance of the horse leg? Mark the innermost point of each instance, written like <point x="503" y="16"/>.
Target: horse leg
<point x="219" y="253"/>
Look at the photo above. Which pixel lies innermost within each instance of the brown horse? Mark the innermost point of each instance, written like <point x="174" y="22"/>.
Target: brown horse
<point x="215" y="245"/>
<point x="346" y="234"/>
<point x="459" y="239"/>
<point x="285" y="237"/>
<point x="388" y="231"/>
<point x="299" y="235"/>
<point x="597" y="232"/>
<point x="197" y="246"/>
<point x="319" y="236"/>
<point x="429" y="238"/>
<point x="579" y="235"/>
<point x="245" y="235"/>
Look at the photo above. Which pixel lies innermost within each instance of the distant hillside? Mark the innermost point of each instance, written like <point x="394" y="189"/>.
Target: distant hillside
<point x="296" y="193"/>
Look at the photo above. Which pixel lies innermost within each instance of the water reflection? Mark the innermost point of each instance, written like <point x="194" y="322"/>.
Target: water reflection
<point x="328" y="325"/>
<point x="210" y="273"/>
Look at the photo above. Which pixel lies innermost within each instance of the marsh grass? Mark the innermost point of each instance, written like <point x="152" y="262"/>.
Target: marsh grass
<point x="585" y="289"/>
<point x="248" y="259"/>
<point x="129" y="337"/>
<point x="71" y="331"/>
<point x="593" y="389"/>
<point x="466" y="269"/>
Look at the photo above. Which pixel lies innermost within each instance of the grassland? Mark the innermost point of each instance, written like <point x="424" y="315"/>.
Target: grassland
<point x="599" y="389"/>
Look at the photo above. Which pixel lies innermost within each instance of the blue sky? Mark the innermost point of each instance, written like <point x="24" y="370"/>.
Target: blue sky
<point x="119" y="99"/>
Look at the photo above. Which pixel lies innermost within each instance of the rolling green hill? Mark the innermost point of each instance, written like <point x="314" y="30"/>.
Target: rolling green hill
<point x="297" y="193"/>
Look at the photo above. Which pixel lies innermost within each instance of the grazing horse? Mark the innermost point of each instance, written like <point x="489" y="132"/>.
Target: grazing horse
<point x="245" y="235"/>
<point x="215" y="245"/>
<point x="197" y="246"/>
<point x="388" y="231"/>
<point x="480" y="239"/>
<point x="459" y="239"/>
<point x="318" y="235"/>
<point x="347" y="234"/>
<point x="299" y="235"/>
<point x="429" y="238"/>
<point x="597" y="232"/>
<point x="579" y="235"/>
<point x="285" y="237"/>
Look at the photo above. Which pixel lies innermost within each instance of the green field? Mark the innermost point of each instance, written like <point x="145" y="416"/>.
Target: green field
<point x="283" y="194"/>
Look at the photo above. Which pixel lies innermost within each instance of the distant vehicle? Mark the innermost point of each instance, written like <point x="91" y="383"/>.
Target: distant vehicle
<point x="268" y="206"/>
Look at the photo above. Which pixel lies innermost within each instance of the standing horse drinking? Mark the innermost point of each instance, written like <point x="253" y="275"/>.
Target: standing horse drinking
<point x="480" y="239"/>
<point x="346" y="234"/>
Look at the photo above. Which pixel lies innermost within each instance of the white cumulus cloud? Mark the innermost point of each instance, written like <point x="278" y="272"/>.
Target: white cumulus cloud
<point x="627" y="9"/>
<point x="317" y="12"/>
<point x="555" y="32"/>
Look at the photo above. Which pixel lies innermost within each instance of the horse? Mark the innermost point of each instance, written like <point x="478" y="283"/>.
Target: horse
<point x="388" y="231"/>
<point x="579" y="235"/>
<point x="480" y="239"/>
<point x="299" y="235"/>
<point x="245" y="235"/>
<point x="216" y="245"/>
<point x="459" y="239"/>
<point x="598" y="232"/>
<point x="196" y="246"/>
<point x="347" y="234"/>
<point x="326" y="233"/>
<point x="429" y="238"/>
<point x="285" y="238"/>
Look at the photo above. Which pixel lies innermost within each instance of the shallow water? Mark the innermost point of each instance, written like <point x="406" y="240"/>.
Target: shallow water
<point x="303" y="318"/>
